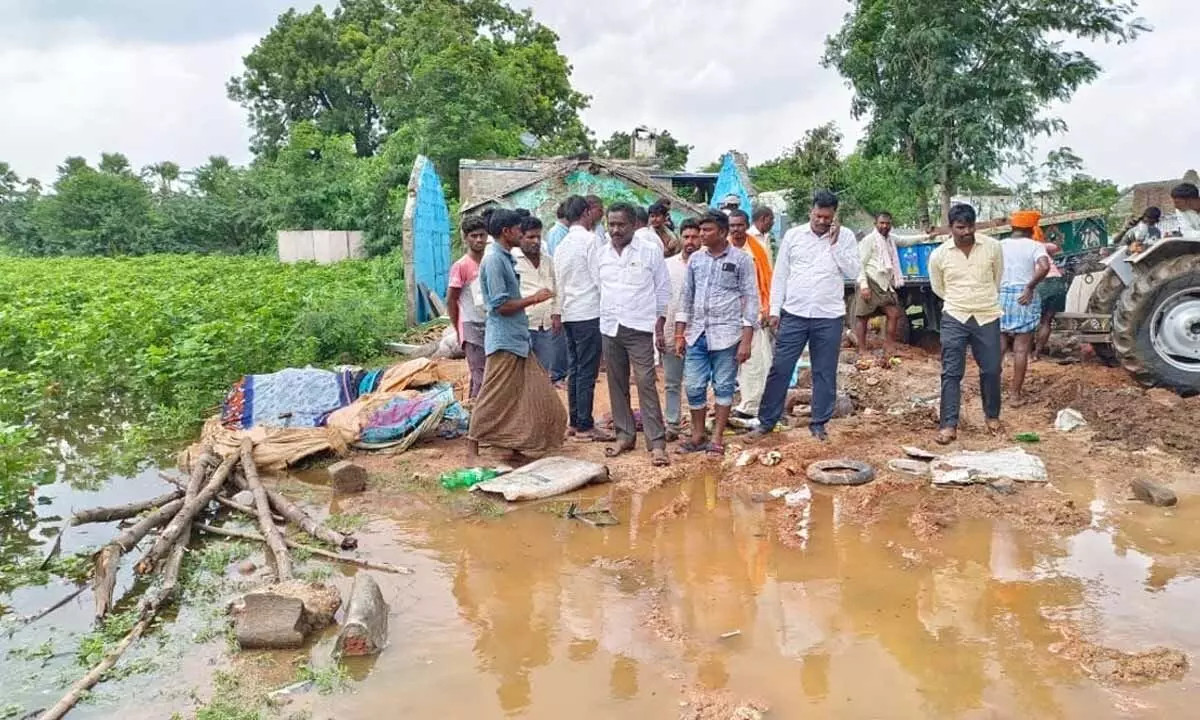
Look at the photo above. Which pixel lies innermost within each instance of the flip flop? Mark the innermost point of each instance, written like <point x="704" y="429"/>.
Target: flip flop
<point x="617" y="450"/>
<point x="715" y="450"/>
<point x="687" y="447"/>
<point x="659" y="457"/>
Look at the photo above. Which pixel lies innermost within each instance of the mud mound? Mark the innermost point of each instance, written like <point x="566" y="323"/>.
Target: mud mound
<point x="1128" y="415"/>
<point x="1029" y="508"/>
<point x="1109" y="665"/>
<point x="703" y="704"/>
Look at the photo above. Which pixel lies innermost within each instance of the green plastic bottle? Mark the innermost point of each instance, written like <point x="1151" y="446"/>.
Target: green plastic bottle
<point x="466" y="477"/>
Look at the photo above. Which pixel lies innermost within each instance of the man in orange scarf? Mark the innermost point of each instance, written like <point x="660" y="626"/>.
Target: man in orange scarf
<point x="1026" y="264"/>
<point x="752" y="376"/>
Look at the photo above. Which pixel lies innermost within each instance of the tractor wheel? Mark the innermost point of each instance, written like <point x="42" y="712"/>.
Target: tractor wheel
<point x="1103" y="302"/>
<point x="1156" y="325"/>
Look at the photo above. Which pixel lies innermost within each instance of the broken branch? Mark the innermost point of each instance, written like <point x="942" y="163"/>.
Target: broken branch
<point x="179" y="524"/>
<point x="292" y="512"/>
<point x="262" y="506"/>
<point x="104" y="573"/>
<point x="123" y="512"/>
<point x="317" y="552"/>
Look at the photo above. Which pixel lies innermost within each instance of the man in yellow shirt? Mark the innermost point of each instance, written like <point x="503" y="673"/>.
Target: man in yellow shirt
<point x="965" y="272"/>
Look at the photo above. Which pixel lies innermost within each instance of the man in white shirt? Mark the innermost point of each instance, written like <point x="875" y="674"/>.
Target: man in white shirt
<point x="634" y="292"/>
<point x="808" y="308"/>
<point x="595" y="221"/>
<point x="643" y="232"/>
<point x="1026" y="264"/>
<point x="672" y="361"/>
<point x="535" y="271"/>
<point x="579" y="315"/>
<point x="879" y="280"/>
<point x="762" y="220"/>
<point x="1186" y="198"/>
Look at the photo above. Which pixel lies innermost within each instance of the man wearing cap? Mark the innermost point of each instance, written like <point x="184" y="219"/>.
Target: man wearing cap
<point x="1025" y="266"/>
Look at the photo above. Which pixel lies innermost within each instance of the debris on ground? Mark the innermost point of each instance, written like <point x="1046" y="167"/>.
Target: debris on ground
<point x="917" y="453"/>
<point x="745" y="458"/>
<point x="771" y="459"/>
<point x="1109" y="665"/>
<point x="840" y="472"/>
<point x="971" y="467"/>
<point x="365" y="629"/>
<point x="779" y="492"/>
<point x="1069" y="419"/>
<point x="347" y="478"/>
<point x="1153" y="493"/>
<point x="545" y="478"/>
<point x="602" y="517"/>
<point x="1027" y="437"/>
<point x="798" y="498"/>
<point x="911" y="467"/>
<point x="284" y="614"/>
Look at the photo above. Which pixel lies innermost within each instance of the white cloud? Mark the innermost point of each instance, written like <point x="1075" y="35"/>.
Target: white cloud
<point x="717" y="74"/>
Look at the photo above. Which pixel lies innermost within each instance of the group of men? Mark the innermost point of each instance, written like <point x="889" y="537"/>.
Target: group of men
<point x="606" y="287"/>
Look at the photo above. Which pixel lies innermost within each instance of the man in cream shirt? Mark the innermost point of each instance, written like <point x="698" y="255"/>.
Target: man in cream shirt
<point x="966" y="272"/>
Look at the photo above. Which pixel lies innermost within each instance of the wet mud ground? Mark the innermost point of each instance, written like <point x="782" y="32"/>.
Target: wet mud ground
<point x="713" y="600"/>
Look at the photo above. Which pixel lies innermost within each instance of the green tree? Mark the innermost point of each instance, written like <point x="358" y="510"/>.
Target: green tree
<point x="18" y="232"/>
<point x="451" y="77"/>
<point x="958" y="89"/>
<point x="881" y="183"/>
<point x="163" y="174"/>
<point x="670" y="153"/>
<point x="812" y="163"/>
<point x="106" y="211"/>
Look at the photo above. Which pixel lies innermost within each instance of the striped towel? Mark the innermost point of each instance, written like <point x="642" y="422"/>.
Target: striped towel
<point x="1019" y="318"/>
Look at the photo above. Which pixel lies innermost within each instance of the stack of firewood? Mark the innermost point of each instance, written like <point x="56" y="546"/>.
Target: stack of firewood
<point x="178" y="517"/>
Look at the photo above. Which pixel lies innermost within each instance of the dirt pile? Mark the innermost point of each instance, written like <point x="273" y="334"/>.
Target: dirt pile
<point x="1028" y="508"/>
<point x="1130" y="416"/>
<point x="1108" y="665"/>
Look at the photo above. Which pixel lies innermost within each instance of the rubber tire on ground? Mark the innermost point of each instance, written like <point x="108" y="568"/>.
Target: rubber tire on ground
<point x="1131" y="323"/>
<point x="1104" y="302"/>
<point x="825" y="472"/>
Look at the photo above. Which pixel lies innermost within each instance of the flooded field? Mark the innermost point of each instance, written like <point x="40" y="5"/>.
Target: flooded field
<point x="712" y="599"/>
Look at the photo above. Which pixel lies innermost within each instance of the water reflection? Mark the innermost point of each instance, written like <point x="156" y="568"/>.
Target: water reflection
<point x="619" y="620"/>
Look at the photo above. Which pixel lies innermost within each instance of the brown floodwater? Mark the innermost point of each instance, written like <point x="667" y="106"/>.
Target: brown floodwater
<point x="532" y="615"/>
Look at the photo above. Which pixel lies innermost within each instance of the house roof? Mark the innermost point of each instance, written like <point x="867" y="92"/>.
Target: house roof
<point x="560" y="167"/>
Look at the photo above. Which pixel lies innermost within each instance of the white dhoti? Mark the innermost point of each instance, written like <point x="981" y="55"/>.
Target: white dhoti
<point x="752" y="375"/>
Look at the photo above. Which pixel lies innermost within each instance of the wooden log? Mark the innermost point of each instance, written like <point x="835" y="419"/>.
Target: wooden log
<point x="104" y="566"/>
<point x="182" y="520"/>
<point x="150" y="609"/>
<point x="365" y="629"/>
<point x="315" y="551"/>
<point x="292" y="512"/>
<point x="246" y="509"/>
<point x="262" y="506"/>
<point x="123" y="512"/>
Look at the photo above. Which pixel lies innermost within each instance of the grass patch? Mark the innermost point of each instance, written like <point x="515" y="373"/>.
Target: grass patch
<point x="326" y="680"/>
<point x="346" y="522"/>
<point x="96" y="644"/>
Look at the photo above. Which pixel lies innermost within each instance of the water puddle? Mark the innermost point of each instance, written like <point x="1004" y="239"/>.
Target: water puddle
<point x="696" y="601"/>
<point x="533" y="615"/>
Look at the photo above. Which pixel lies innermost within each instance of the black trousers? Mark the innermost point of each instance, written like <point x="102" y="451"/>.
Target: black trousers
<point x="986" y="347"/>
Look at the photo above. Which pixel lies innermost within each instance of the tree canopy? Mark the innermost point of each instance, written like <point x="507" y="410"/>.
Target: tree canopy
<point x="958" y="89"/>
<point x="446" y="78"/>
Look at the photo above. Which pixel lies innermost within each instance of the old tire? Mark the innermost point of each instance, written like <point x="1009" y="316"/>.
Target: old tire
<point x="840" y="472"/>
<point x="1157" y="317"/>
<point x="1104" y="302"/>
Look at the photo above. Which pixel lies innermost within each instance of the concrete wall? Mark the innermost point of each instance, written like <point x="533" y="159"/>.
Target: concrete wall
<point x="480" y="180"/>
<point x="323" y="246"/>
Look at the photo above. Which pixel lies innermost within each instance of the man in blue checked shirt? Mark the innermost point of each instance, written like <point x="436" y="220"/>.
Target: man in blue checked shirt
<point x="717" y="316"/>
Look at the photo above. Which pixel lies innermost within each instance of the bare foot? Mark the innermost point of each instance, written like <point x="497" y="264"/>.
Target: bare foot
<point x="994" y="427"/>
<point x="946" y="436"/>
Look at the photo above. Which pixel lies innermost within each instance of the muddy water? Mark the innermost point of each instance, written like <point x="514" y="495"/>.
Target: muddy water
<point x="531" y="615"/>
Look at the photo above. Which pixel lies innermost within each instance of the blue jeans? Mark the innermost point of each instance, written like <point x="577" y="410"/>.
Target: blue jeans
<point x="545" y="347"/>
<point x="559" y="369"/>
<point x="583" y="367"/>
<point x="702" y="366"/>
<point x="823" y="336"/>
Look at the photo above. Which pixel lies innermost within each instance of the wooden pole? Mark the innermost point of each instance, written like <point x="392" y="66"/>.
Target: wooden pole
<point x="123" y="512"/>
<point x="104" y="567"/>
<point x="179" y="524"/>
<point x="262" y="506"/>
<point x="293" y="514"/>
<point x="317" y="552"/>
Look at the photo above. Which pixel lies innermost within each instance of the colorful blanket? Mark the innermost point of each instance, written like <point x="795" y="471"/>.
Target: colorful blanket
<point x="288" y="398"/>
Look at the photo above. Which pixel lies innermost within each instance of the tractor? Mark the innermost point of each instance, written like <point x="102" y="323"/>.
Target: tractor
<point x="1150" y="303"/>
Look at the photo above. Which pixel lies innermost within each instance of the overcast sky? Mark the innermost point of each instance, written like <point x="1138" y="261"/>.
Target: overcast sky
<point x="147" y="78"/>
